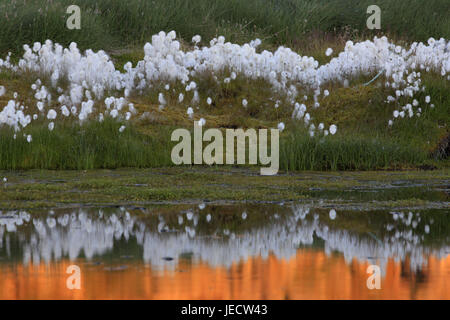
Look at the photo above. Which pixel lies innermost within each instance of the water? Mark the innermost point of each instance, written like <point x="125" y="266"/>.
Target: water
<point x="277" y="251"/>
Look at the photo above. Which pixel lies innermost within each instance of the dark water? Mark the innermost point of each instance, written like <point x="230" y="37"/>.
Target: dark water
<point x="276" y="251"/>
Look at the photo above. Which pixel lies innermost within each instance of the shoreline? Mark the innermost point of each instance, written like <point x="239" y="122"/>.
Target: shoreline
<point x="187" y="185"/>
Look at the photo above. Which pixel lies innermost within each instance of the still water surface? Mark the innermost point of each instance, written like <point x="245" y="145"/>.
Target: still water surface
<point x="276" y="251"/>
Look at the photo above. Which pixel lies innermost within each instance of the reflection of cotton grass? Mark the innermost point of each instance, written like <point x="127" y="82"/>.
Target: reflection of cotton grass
<point x="332" y="214"/>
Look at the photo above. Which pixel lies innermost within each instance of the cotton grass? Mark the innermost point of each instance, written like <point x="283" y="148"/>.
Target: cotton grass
<point x="82" y="79"/>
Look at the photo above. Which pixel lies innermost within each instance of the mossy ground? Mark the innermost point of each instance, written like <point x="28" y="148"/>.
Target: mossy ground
<point x="43" y="188"/>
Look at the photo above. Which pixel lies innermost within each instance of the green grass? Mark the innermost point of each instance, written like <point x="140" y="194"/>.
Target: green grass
<point x="92" y="145"/>
<point x="108" y="24"/>
<point x="346" y="152"/>
<point x="96" y="145"/>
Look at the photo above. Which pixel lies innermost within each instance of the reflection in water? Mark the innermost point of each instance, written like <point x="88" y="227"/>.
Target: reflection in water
<point x="209" y="252"/>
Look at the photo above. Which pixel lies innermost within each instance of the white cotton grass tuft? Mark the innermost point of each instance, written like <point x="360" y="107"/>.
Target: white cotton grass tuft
<point x="51" y="115"/>
<point x="64" y="111"/>
<point x="190" y="112"/>
<point x="209" y="101"/>
<point x="196" y="39"/>
<point x="281" y="126"/>
<point x="40" y="106"/>
<point x="161" y="99"/>
<point x="2" y="90"/>
<point x="195" y="98"/>
<point x="51" y="126"/>
<point x="201" y="122"/>
<point x="122" y="128"/>
<point x="329" y="52"/>
<point x="114" y="113"/>
<point x="333" y="129"/>
<point x="244" y="103"/>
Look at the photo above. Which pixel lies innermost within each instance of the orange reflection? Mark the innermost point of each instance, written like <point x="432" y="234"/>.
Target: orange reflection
<point x="309" y="275"/>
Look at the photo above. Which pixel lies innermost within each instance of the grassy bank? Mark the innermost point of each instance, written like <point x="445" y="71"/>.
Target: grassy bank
<point x="108" y="24"/>
<point x="100" y="145"/>
<point x="364" y="141"/>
